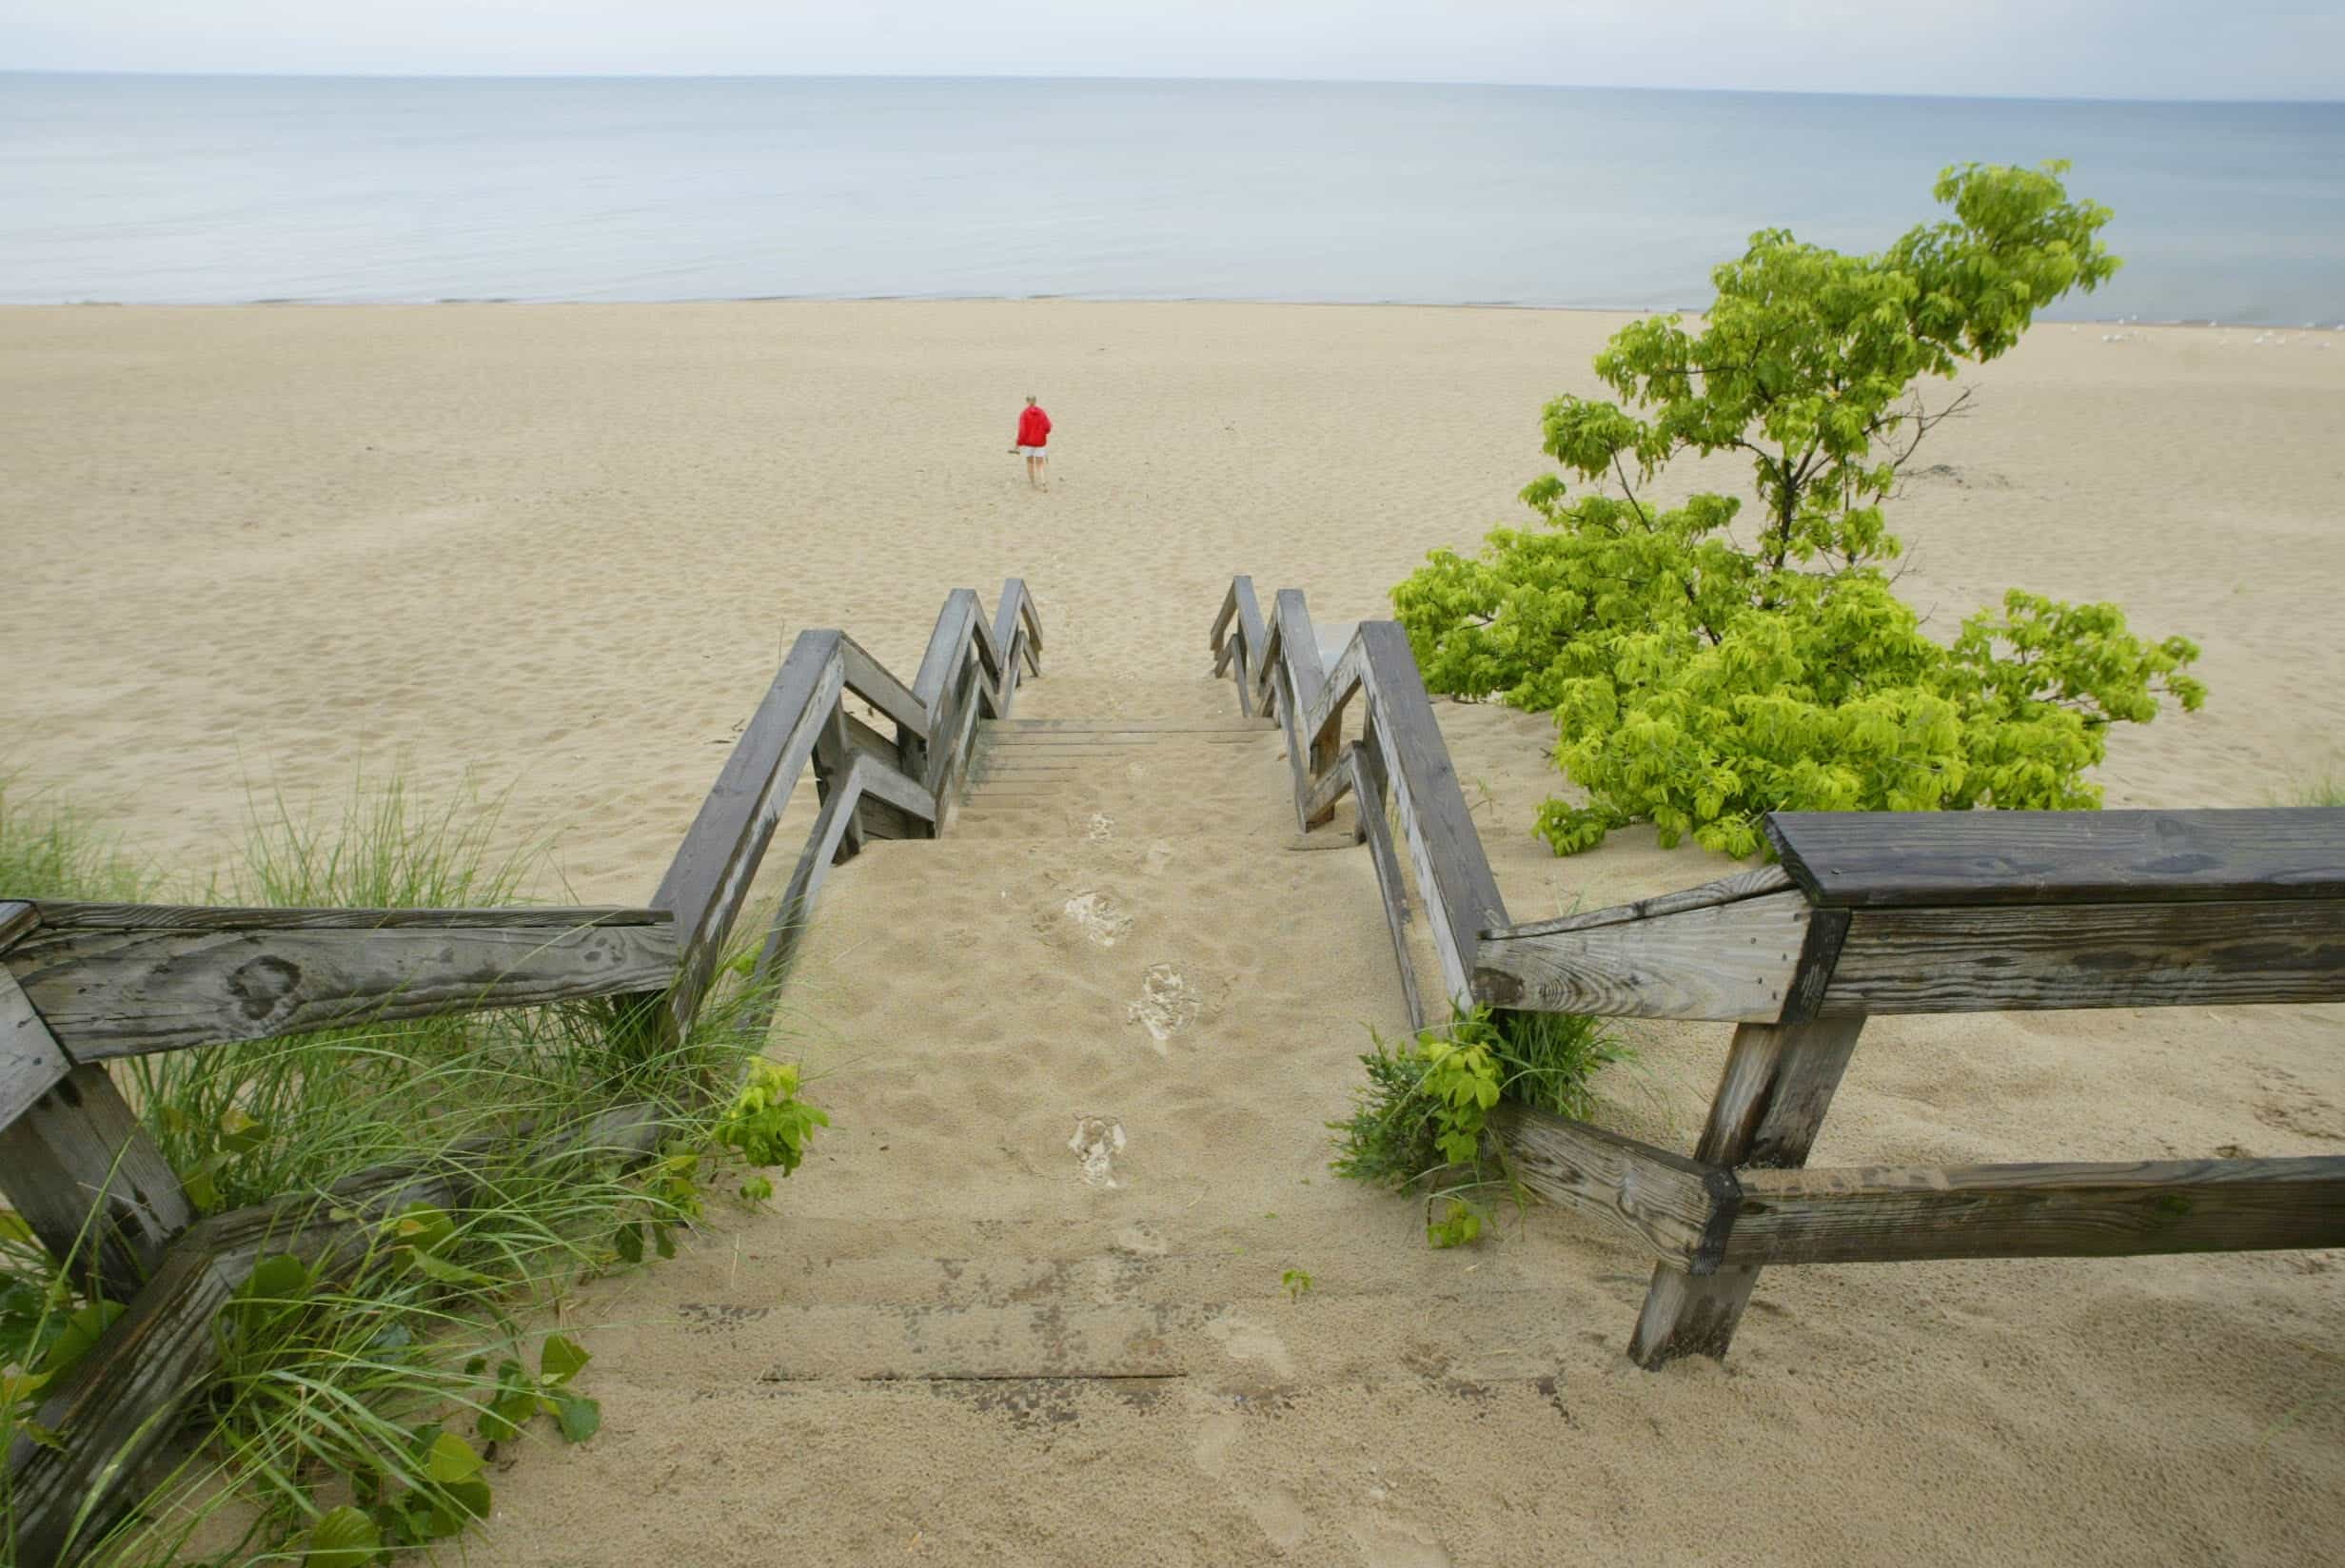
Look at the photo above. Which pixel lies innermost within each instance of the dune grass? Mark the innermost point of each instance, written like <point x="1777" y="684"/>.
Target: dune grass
<point x="360" y="1397"/>
<point x="1417" y="1123"/>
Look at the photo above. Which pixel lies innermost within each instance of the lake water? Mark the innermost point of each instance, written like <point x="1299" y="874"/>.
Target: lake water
<point x="200" y="190"/>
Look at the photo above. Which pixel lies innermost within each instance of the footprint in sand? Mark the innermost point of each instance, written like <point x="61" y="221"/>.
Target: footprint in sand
<point x="1096" y="1142"/>
<point x="1168" y="1003"/>
<point x="1159" y="855"/>
<point x="1102" y="827"/>
<point x="1095" y="915"/>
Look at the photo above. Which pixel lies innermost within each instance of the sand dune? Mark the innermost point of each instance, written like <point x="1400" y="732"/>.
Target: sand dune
<point x="561" y="547"/>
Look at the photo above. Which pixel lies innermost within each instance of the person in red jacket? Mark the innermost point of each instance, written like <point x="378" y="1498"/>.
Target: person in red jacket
<point x="1034" y="438"/>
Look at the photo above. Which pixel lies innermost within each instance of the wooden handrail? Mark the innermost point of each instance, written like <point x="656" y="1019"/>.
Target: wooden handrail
<point x="1279" y="668"/>
<point x="81" y="983"/>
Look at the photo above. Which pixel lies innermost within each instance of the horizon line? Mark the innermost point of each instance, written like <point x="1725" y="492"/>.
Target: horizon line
<point x="263" y="75"/>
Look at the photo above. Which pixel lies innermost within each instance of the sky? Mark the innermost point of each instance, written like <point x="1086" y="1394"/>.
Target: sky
<point x="2089" y="48"/>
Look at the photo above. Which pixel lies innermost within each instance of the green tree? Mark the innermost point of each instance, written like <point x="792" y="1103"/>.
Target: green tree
<point x="1699" y="682"/>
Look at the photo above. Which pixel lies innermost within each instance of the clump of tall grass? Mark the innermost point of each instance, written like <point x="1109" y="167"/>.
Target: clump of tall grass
<point x="360" y="1393"/>
<point x="50" y="850"/>
<point x="1418" y="1123"/>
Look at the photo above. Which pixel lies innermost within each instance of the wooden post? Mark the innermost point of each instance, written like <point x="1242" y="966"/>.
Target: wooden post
<point x="1772" y="1101"/>
<point x="832" y="757"/>
<point x="81" y="1170"/>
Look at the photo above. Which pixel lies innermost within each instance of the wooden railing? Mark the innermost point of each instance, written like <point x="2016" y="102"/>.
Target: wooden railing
<point x="81" y="984"/>
<point x="1279" y="669"/>
<point x="1864" y="914"/>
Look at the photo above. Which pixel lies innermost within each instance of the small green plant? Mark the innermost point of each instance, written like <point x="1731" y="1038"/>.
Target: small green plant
<point x="1296" y="1282"/>
<point x="1421" y="1121"/>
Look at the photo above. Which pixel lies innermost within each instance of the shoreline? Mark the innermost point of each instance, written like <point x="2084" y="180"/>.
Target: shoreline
<point x="1257" y="301"/>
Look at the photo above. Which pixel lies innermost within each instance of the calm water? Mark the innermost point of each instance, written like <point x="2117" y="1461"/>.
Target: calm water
<point x="216" y="189"/>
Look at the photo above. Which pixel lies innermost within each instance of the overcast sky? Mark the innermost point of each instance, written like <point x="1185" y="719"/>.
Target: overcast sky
<point x="2103" y="48"/>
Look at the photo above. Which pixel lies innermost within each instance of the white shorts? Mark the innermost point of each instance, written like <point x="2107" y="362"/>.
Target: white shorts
<point x="1035" y="451"/>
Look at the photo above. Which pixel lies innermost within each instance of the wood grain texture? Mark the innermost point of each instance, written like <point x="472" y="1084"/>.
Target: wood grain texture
<point x="947" y="646"/>
<point x="869" y="679"/>
<point x="712" y="871"/>
<point x="1733" y="962"/>
<point x="109" y="992"/>
<point x="1888" y="860"/>
<point x="17" y="916"/>
<point x="1990" y="959"/>
<point x="1366" y="769"/>
<point x="1674" y="1205"/>
<point x="1453" y="873"/>
<point x="32" y="1060"/>
<point x="2045" y="1210"/>
<point x="61" y="914"/>
<point x="1778" y="1080"/>
<point x="1727" y="890"/>
<point x="89" y="1180"/>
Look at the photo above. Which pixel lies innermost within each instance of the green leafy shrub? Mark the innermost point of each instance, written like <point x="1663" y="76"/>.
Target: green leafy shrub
<point x="1699" y="682"/>
<point x="1421" y="1121"/>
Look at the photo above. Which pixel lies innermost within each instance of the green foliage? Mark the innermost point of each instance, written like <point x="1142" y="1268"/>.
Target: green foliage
<point x="1699" y="683"/>
<point x="1420" y="1123"/>
<point x="1296" y="1282"/>
<point x="767" y="1123"/>
<point x="382" y="1371"/>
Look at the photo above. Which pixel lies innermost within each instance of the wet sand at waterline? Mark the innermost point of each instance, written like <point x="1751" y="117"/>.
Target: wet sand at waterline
<point x="561" y="549"/>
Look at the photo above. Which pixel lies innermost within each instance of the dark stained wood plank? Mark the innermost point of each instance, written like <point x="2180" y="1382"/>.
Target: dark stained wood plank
<point x="2045" y="1210"/>
<point x="32" y="1060"/>
<point x="1892" y="860"/>
<point x="1779" y="1081"/>
<point x="17" y="916"/>
<point x="60" y="914"/>
<point x="869" y="679"/>
<point x="1989" y="959"/>
<point x="712" y="871"/>
<point x="108" y="992"/>
<point x="1727" y="890"/>
<point x="1733" y="962"/>
<point x="92" y="1183"/>
<point x="1677" y="1206"/>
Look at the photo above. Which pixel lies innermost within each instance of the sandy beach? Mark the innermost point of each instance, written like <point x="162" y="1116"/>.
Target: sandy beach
<point x="557" y="551"/>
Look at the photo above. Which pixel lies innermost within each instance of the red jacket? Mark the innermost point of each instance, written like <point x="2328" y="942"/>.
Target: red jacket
<point x="1033" y="427"/>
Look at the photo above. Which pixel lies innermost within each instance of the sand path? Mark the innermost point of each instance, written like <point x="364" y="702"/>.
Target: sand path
<point x="1026" y="1306"/>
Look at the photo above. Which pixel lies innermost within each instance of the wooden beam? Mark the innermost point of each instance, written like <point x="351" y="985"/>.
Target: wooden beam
<point x="1014" y="589"/>
<point x="2046" y="1210"/>
<point x="1727" y="890"/>
<point x="1453" y="873"/>
<point x="1679" y="1207"/>
<point x="1366" y="769"/>
<point x="709" y="876"/>
<point x="32" y="1060"/>
<point x="61" y="914"/>
<point x="1901" y="859"/>
<point x="947" y="643"/>
<point x="1729" y="961"/>
<point x="17" y="916"/>
<point x="869" y="679"/>
<point x="109" y="992"/>
<point x="1993" y="959"/>
<point x="1771" y="1100"/>
<point x="90" y="1181"/>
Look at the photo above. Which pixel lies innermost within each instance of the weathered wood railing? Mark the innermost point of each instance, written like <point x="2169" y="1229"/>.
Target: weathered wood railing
<point x="83" y="984"/>
<point x="1279" y="668"/>
<point x="1872" y="914"/>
